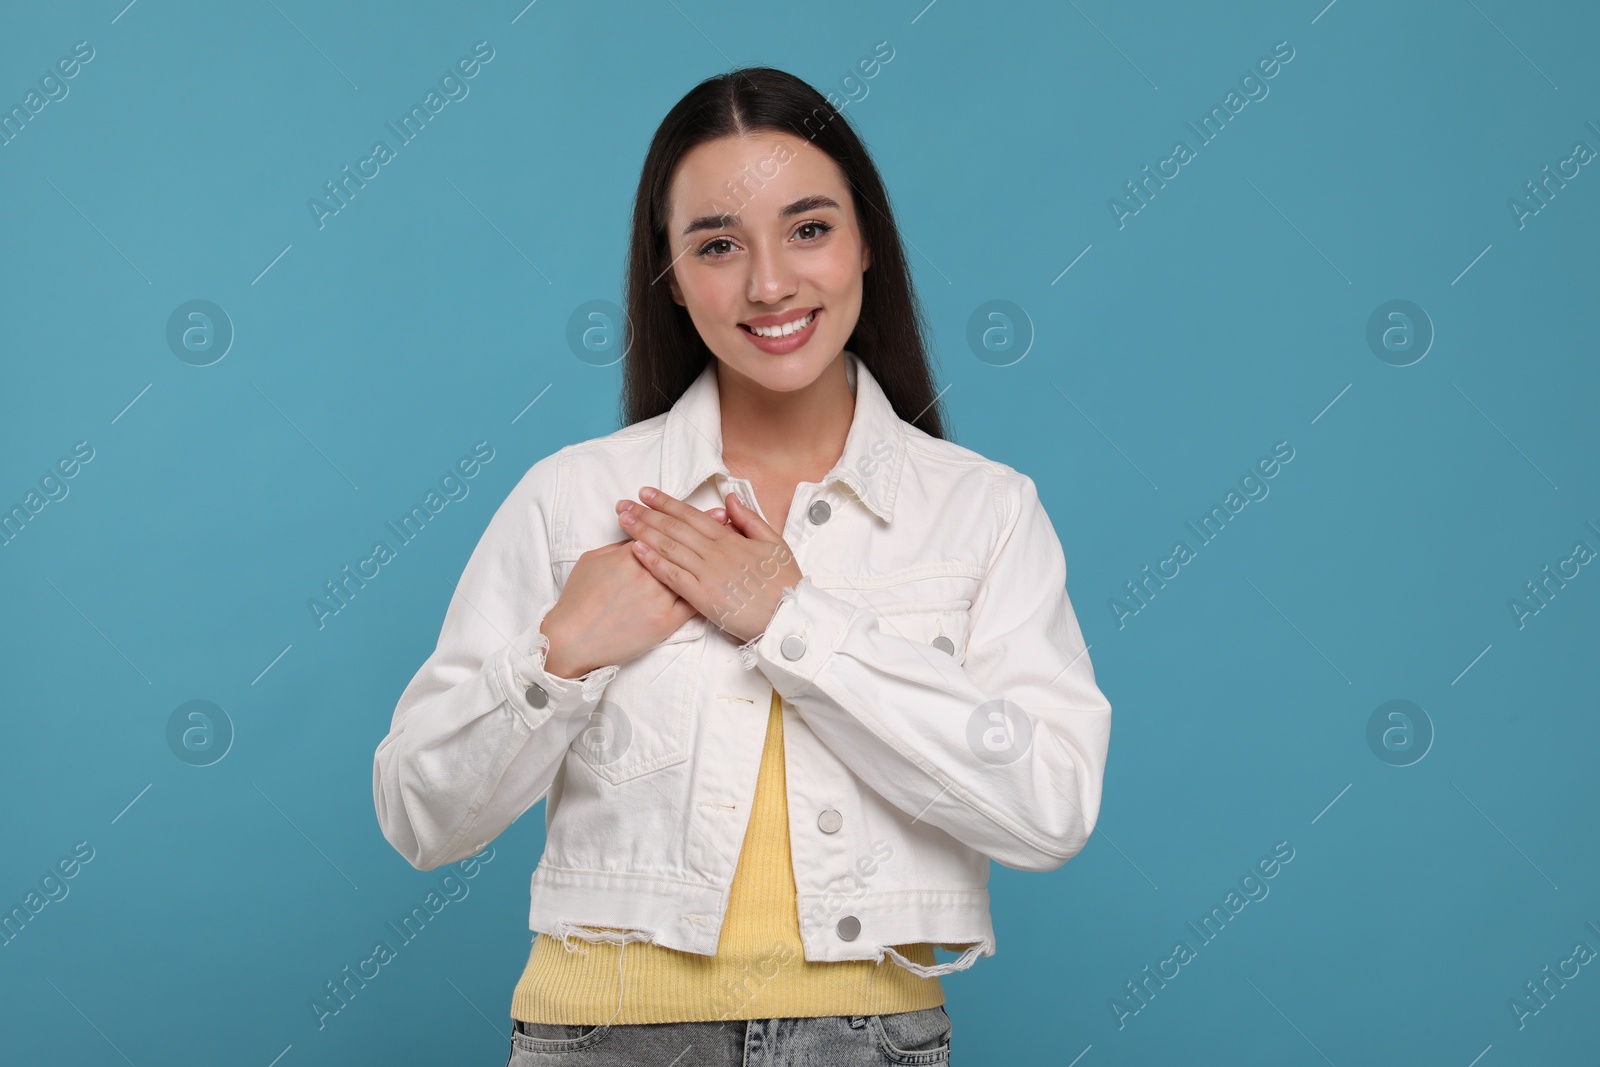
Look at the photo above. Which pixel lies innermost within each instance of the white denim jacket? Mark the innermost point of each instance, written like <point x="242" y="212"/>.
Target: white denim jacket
<point x="939" y="706"/>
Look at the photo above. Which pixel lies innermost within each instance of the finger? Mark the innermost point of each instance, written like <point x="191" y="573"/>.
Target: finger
<point x="664" y="535"/>
<point x="749" y="522"/>
<point x="668" y="504"/>
<point x="665" y="570"/>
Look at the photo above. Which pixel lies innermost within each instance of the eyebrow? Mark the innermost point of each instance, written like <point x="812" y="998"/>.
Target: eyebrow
<point x="726" y="221"/>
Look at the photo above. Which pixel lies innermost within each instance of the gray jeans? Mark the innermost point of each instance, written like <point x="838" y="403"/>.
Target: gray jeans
<point x="907" y="1037"/>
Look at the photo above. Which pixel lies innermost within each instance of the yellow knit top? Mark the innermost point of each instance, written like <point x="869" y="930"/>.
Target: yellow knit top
<point x="760" y="970"/>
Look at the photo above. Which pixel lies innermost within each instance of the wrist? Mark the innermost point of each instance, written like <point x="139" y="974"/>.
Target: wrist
<point x="559" y="659"/>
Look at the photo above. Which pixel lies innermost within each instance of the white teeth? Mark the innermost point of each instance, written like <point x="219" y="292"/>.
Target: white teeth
<point x="786" y="329"/>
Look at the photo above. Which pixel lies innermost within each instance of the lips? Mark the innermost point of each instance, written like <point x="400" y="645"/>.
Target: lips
<point x="800" y="325"/>
<point x="782" y="324"/>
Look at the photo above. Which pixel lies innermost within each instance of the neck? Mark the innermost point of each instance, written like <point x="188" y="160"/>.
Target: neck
<point x="800" y="432"/>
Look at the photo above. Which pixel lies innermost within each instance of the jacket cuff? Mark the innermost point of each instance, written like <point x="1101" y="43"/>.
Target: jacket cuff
<point x="800" y="638"/>
<point x="535" y="693"/>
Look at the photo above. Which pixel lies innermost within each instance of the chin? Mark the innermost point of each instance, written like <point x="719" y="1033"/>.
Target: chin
<point x="786" y="373"/>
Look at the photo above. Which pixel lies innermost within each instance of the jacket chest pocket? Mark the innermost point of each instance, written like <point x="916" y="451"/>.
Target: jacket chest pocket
<point x="645" y="717"/>
<point x="942" y="626"/>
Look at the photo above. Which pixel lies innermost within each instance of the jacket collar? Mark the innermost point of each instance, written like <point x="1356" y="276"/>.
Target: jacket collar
<point x="691" y="450"/>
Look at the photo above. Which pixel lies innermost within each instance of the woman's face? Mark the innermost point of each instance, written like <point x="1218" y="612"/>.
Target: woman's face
<point x="763" y="232"/>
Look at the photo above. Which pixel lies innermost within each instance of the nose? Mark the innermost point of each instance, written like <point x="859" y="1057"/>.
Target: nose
<point x="772" y="277"/>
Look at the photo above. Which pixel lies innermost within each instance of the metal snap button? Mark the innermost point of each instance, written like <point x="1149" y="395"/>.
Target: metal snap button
<point x="819" y="511"/>
<point x="830" y="821"/>
<point x="536" y="696"/>
<point x="848" y="928"/>
<point x="944" y="644"/>
<point x="793" y="647"/>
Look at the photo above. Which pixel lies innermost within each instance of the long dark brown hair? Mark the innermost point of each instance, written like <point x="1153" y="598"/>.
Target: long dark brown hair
<point x="664" y="350"/>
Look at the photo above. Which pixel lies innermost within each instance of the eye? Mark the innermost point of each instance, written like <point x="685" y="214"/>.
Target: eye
<point x="720" y="247"/>
<point x="705" y="250"/>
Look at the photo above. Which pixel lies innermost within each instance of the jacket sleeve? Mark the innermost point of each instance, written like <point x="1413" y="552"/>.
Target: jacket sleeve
<point x="481" y="729"/>
<point x="1004" y="751"/>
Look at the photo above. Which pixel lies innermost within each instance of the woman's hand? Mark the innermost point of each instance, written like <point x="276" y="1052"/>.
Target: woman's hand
<point x="611" y="610"/>
<point x="732" y="572"/>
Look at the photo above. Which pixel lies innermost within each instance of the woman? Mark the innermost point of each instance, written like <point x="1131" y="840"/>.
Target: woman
<point x="790" y="667"/>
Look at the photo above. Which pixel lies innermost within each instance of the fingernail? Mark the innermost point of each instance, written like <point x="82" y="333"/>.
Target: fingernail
<point x="647" y="493"/>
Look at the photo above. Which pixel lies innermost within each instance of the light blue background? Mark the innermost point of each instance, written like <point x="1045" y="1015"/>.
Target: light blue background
<point x="1227" y="315"/>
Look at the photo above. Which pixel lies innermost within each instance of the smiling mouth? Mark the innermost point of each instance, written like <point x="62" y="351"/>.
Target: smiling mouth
<point x="786" y="330"/>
